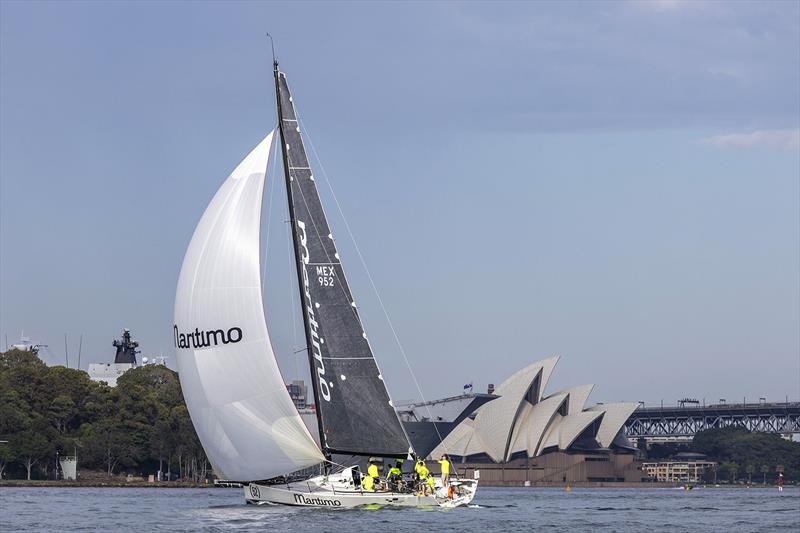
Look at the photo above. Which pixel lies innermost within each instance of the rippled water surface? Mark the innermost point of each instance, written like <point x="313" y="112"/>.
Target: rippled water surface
<point x="494" y="509"/>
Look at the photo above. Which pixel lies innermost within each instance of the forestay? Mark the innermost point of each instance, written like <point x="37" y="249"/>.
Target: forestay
<point x="353" y="406"/>
<point x="236" y="396"/>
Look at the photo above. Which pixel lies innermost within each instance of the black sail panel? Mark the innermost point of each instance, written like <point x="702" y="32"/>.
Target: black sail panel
<point x="353" y="407"/>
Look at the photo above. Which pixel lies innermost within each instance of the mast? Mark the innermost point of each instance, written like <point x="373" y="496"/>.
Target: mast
<point x="295" y="241"/>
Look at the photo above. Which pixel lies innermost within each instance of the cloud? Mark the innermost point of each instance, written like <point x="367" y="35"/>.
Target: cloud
<point x="775" y="139"/>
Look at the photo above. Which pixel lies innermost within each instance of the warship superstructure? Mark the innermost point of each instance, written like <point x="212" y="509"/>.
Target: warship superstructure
<point x="124" y="360"/>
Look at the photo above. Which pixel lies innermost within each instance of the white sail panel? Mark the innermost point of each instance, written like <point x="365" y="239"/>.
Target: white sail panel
<point x="234" y="391"/>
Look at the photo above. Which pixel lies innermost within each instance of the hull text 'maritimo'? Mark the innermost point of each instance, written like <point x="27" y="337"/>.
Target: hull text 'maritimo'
<point x="243" y="414"/>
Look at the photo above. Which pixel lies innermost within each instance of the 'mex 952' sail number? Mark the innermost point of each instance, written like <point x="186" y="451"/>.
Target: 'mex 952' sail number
<point x="325" y="275"/>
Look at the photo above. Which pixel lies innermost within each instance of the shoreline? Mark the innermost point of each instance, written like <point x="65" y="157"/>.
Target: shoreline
<point x="45" y="483"/>
<point x="7" y="483"/>
<point x="628" y="485"/>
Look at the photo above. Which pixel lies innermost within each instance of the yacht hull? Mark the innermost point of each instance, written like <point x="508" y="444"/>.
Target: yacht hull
<point x="332" y="492"/>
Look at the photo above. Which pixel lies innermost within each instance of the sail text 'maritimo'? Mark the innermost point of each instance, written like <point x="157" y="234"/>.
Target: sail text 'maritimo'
<point x="204" y="339"/>
<point x="316" y="345"/>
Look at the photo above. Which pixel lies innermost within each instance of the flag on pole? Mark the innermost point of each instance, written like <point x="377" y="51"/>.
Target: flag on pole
<point x="468" y="386"/>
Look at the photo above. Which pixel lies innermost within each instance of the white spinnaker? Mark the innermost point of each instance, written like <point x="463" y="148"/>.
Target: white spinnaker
<point x="234" y="391"/>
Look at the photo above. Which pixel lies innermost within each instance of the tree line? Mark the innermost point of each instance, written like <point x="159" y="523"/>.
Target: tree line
<point x="141" y="426"/>
<point x="742" y="456"/>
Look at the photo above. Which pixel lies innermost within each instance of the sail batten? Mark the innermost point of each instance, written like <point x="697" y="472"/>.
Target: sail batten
<point x="233" y="388"/>
<point x="354" y="411"/>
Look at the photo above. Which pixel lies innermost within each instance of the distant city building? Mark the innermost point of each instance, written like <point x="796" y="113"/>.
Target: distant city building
<point x="688" y="471"/>
<point x="298" y="392"/>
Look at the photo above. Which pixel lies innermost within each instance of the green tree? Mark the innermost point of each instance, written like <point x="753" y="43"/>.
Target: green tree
<point x="62" y="409"/>
<point x="139" y="425"/>
<point x="6" y="456"/>
<point x="15" y="413"/>
<point x="14" y="359"/>
<point x="733" y="468"/>
<point x="108" y="444"/>
<point x="737" y="445"/>
<point x="765" y="471"/>
<point x="24" y="373"/>
<point x="157" y="379"/>
<point x="30" y="447"/>
<point x="161" y="440"/>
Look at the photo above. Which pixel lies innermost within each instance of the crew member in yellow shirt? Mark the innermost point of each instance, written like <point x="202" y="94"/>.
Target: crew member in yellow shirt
<point x="372" y="472"/>
<point x="372" y="477"/>
<point x="368" y="483"/>
<point x="431" y="484"/>
<point x="445" y="470"/>
<point x="423" y="473"/>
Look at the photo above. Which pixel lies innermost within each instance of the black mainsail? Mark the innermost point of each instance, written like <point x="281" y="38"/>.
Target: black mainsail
<point x="354" y="412"/>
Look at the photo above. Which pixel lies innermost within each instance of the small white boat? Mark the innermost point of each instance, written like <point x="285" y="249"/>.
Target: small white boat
<point x="236" y="396"/>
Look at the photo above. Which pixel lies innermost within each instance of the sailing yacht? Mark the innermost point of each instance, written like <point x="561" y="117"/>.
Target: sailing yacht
<point x="239" y="405"/>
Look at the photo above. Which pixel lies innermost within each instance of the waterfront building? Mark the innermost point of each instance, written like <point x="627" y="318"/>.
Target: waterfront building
<point x="298" y="392"/>
<point x="689" y="471"/>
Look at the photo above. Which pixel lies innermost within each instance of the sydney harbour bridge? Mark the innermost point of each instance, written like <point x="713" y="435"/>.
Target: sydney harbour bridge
<point x="682" y="422"/>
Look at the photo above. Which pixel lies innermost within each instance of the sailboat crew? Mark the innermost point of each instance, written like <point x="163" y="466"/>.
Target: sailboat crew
<point x="395" y="476"/>
<point x="372" y="471"/>
<point x="423" y="473"/>
<point x="445" y="470"/>
<point x="430" y="484"/>
<point x="368" y="483"/>
<point x="372" y="478"/>
<point x="420" y="464"/>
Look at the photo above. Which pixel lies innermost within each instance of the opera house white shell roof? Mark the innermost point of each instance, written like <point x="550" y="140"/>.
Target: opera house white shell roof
<point x="524" y="419"/>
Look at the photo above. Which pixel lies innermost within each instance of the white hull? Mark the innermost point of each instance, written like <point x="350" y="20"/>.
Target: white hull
<point x="337" y="490"/>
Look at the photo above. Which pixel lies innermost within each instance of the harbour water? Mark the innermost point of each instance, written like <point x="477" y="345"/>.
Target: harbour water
<point x="494" y="509"/>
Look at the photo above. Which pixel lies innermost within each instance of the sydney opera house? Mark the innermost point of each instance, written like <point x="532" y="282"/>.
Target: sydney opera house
<point x="522" y="433"/>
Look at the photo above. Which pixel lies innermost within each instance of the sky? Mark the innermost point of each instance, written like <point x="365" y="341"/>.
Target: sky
<point x="617" y="183"/>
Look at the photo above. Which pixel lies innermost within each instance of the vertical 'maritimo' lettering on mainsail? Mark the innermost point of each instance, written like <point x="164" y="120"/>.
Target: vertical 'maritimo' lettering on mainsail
<point x="353" y="408"/>
<point x="316" y="349"/>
